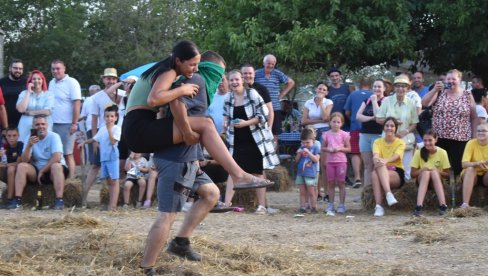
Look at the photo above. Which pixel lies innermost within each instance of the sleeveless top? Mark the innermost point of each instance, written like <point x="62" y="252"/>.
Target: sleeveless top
<point x="452" y="117"/>
<point x="139" y="94"/>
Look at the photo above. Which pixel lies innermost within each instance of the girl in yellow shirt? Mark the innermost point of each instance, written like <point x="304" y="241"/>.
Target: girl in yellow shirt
<point x="388" y="170"/>
<point x="475" y="163"/>
<point x="429" y="165"/>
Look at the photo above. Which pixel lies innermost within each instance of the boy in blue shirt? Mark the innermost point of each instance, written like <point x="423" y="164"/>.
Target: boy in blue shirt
<point x="108" y="137"/>
<point x="13" y="151"/>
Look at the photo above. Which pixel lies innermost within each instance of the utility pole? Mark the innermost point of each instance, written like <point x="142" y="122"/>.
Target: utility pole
<point x="2" y="37"/>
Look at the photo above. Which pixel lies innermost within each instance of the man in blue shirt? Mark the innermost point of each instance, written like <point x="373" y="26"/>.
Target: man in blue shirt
<point x="418" y="84"/>
<point x="272" y="79"/>
<point x="353" y="103"/>
<point x="338" y="93"/>
<point x="42" y="162"/>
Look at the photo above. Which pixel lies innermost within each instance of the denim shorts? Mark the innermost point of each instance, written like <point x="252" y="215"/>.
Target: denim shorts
<point x="110" y="169"/>
<point x="366" y="141"/>
<point x="307" y="181"/>
<point x="176" y="181"/>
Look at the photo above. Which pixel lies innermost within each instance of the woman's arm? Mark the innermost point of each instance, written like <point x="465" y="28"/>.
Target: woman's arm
<point x="160" y="95"/>
<point x="306" y="120"/>
<point x="23" y="100"/>
<point x="361" y="117"/>
<point x="473" y="116"/>
<point x="432" y="95"/>
<point x="325" y="112"/>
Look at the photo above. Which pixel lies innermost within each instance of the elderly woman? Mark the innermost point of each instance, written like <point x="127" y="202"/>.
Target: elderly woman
<point x="454" y="116"/>
<point x="370" y="129"/>
<point x="475" y="163"/>
<point x="388" y="170"/>
<point x="403" y="109"/>
<point x="248" y="134"/>
<point x="36" y="100"/>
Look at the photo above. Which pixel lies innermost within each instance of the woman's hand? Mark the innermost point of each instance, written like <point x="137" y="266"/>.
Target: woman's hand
<point x="439" y="86"/>
<point x="373" y="98"/>
<point x="30" y="86"/>
<point x="378" y="162"/>
<point x="242" y="123"/>
<point x="189" y="89"/>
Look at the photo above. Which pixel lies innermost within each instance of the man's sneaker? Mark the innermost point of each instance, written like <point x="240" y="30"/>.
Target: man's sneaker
<point x="357" y="184"/>
<point x="464" y="205"/>
<point x="147" y="204"/>
<point x="125" y="206"/>
<point x="272" y="211"/>
<point x="326" y="198"/>
<point x="14" y="204"/>
<point x="418" y="210"/>
<point x="330" y="213"/>
<point x="139" y="204"/>
<point x="443" y="209"/>
<point x="313" y="211"/>
<point x="183" y="251"/>
<point x="390" y="198"/>
<point x="58" y="204"/>
<point x="148" y="271"/>
<point x="379" y="211"/>
<point x="302" y="211"/>
<point x="261" y="210"/>
<point x="341" y="209"/>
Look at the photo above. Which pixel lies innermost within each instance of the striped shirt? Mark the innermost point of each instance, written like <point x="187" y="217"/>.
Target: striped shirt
<point x="273" y="83"/>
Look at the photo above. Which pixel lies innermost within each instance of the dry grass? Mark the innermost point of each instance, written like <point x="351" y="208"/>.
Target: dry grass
<point x="466" y="212"/>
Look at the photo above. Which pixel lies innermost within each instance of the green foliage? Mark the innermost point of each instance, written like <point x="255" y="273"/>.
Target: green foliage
<point x="306" y="35"/>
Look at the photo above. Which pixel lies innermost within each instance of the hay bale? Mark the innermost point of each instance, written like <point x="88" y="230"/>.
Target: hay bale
<point x="281" y="177"/>
<point x="242" y="198"/>
<point x="134" y="195"/>
<point x="71" y="195"/>
<point x="406" y="196"/>
<point x="466" y="212"/>
<point x="479" y="197"/>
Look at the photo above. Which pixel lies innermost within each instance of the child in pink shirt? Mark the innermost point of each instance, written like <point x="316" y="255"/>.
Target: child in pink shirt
<point x="336" y="144"/>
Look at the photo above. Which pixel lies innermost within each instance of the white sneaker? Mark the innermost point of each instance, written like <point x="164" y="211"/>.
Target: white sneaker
<point x="187" y="206"/>
<point x="379" y="211"/>
<point x="261" y="210"/>
<point x="272" y="211"/>
<point x="330" y="213"/>
<point x="390" y="198"/>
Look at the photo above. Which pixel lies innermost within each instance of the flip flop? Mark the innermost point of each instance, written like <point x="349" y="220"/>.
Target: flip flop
<point x="222" y="209"/>
<point x="254" y="184"/>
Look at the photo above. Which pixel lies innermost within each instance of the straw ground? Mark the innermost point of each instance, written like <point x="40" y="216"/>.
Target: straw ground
<point x="92" y="242"/>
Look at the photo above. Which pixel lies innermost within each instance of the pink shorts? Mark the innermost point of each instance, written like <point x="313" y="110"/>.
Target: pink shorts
<point x="336" y="171"/>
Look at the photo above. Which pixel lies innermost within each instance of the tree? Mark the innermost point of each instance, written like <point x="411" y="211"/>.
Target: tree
<point x="306" y="34"/>
<point x="452" y="36"/>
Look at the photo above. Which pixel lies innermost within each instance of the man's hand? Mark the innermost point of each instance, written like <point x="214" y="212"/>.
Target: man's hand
<point x="39" y="176"/>
<point x="33" y="140"/>
<point x="73" y="128"/>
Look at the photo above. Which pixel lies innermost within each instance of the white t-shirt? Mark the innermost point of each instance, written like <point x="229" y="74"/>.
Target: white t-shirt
<point x="314" y="111"/>
<point x="108" y="152"/>
<point x="481" y="112"/>
<point x="101" y="100"/>
<point x="65" y="92"/>
<point x="85" y="112"/>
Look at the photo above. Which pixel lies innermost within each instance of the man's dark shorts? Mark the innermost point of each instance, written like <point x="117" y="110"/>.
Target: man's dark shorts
<point x="46" y="177"/>
<point x="176" y="181"/>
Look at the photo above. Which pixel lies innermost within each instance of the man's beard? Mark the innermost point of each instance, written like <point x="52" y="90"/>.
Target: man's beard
<point x="14" y="77"/>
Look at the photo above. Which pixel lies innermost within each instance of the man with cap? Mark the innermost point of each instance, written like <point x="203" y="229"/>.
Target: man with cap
<point x="338" y="93"/>
<point x="66" y="110"/>
<point x="100" y="101"/>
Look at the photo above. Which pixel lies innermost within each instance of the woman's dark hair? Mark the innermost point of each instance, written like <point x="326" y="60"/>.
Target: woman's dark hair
<point x="183" y="50"/>
<point x="424" y="153"/>
<point x="308" y="133"/>
<point x="395" y="121"/>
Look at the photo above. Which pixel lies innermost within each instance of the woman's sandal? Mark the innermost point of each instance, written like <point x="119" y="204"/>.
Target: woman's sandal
<point x="255" y="183"/>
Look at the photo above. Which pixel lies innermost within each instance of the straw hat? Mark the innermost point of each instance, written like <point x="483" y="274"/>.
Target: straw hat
<point x="110" y="72"/>
<point x="402" y="79"/>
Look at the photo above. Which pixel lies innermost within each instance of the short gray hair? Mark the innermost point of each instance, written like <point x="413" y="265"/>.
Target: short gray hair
<point x="94" y="87"/>
<point x="269" y="56"/>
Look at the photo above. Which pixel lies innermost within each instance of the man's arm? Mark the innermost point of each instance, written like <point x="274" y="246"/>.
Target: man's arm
<point x="76" y="115"/>
<point x="55" y="158"/>
<point x="3" y="116"/>
<point x="270" y="114"/>
<point x="288" y="87"/>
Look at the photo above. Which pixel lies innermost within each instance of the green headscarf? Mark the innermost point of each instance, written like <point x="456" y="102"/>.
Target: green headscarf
<point x="212" y="74"/>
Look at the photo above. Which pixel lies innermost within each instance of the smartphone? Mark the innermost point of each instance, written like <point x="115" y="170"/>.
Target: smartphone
<point x="33" y="132"/>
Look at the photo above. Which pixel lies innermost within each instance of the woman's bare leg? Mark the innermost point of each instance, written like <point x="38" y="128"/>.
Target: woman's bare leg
<point x="205" y="127"/>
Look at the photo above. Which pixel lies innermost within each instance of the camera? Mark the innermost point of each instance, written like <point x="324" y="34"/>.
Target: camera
<point x="33" y="132"/>
<point x="447" y="85"/>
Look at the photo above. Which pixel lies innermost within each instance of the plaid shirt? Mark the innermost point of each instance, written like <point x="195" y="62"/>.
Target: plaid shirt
<point x="254" y="106"/>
